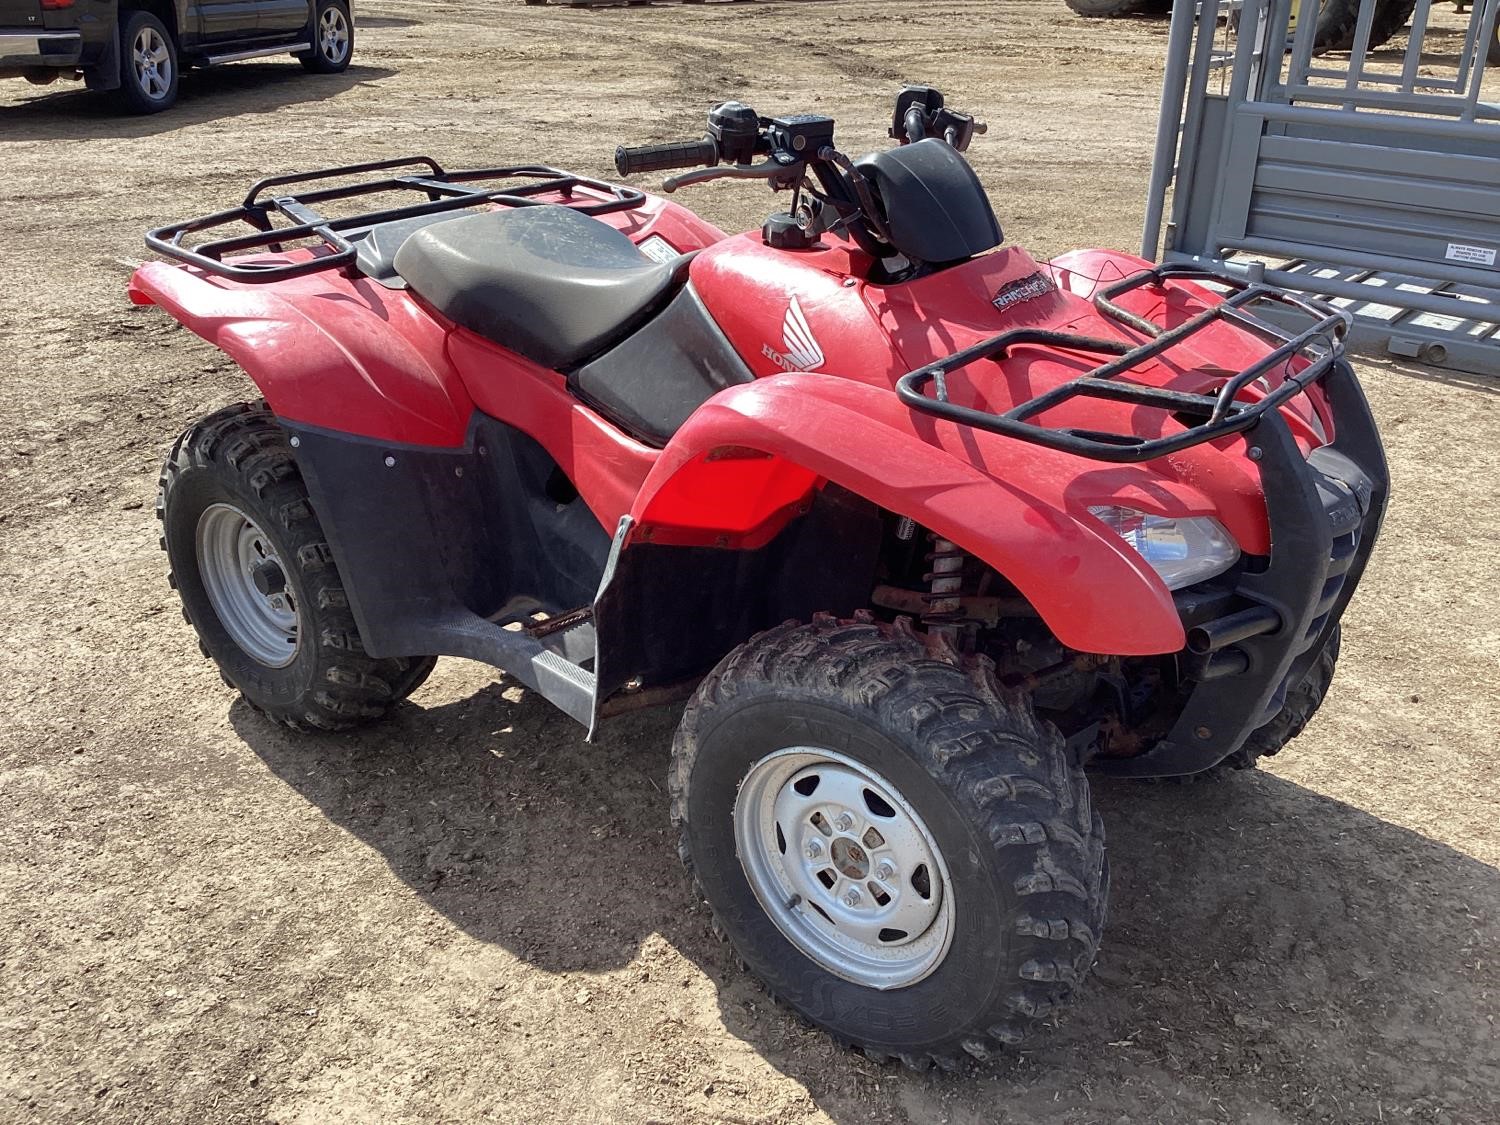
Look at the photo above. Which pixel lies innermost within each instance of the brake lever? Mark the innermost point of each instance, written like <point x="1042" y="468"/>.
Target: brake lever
<point x="784" y="175"/>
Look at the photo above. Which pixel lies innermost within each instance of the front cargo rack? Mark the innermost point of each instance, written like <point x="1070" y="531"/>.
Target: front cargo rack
<point x="1320" y="346"/>
<point x="445" y="191"/>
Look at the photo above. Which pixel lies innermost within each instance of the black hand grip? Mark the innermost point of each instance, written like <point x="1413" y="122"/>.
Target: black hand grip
<point x="673" y="154"/>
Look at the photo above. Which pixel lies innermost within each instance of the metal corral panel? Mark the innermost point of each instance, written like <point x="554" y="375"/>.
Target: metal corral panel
<point x="1367" y="172"/>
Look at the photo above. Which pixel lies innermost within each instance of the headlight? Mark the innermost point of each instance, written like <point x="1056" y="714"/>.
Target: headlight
<point x="1182" y="551"/>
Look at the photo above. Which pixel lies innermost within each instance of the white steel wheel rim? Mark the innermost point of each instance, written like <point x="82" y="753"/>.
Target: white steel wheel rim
<point x="333" y="35"/>
<point x="232" y="553"/>
<point x="844" y="867"/>
<point x="153" y="63"/>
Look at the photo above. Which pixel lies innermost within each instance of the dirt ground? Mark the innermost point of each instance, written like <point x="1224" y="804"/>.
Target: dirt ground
<point x="467" y="912"/>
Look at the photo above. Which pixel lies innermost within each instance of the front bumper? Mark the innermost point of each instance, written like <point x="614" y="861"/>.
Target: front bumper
<point x="1325" y="512"/>
<point x="24" y="50"/>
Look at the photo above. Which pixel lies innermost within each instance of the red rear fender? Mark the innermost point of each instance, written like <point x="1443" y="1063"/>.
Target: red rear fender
<point x="325" y="350"/>
<point x="750" y="457"/>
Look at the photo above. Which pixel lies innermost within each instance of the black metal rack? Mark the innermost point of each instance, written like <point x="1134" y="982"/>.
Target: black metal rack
<point x="445" y="191"/>
<point x="1223" y="413"/>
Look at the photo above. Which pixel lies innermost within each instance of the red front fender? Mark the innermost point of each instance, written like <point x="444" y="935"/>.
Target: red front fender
<point x="1019" y="507"/>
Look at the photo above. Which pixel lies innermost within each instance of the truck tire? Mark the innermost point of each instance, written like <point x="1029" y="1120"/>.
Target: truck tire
<point x="258" y="581"/>
<point x="1105" y="9"/>
<point x="1338" y="20"/>
<point x="896" y="846"/>
<point x="332" y="34"/>
<point x="149" y="72"/>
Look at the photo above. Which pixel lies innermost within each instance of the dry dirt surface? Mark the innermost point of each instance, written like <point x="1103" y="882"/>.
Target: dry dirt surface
<point x="469" y="913"/>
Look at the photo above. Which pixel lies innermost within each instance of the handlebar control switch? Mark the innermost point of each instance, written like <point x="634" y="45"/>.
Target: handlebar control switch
<point x="735" y="127"/>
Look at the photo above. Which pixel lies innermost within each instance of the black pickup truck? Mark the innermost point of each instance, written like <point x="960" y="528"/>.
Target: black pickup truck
<point x="137" y="48"/>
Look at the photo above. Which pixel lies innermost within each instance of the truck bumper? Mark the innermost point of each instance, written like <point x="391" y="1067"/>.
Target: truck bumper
<point x="1325" y="512"/>
<point x="29" y="50"/>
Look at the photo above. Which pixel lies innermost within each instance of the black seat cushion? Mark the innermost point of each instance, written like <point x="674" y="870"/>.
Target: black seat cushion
<point x="546" y="281"/>
<point x="375" y="248"/>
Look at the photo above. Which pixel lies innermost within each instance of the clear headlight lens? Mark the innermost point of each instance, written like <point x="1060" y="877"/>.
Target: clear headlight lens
<point x="1182" y="551"/>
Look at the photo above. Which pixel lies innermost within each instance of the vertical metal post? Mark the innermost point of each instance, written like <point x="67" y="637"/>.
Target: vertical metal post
<point x="1169" y="123"/>
<point x="1483" y="32"/>
<point x="1303" y="42"/>
<point x="1413" y="57"/>
<point x="1197" y="95"/>
<point x="1361" y="47"/>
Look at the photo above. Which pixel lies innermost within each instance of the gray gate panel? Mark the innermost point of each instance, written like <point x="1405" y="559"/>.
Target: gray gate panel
<point x="1377" y="174"/>
<point x="1316" y="148"/>
<point x="1445" y="252"/>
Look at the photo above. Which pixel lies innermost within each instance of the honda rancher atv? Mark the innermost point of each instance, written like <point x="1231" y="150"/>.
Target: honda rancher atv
<point x="920" y="526"/>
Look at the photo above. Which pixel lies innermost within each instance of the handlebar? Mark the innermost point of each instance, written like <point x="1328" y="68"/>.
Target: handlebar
<point x="671" y="154"/>
<point x="828" y="191"/>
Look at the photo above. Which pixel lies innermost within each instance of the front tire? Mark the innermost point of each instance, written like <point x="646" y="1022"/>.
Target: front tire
<point x="332" y="32"/>
<point x="842" y="756"/>
<point x="149" y="71"/>
<point x="258" y="581"/>
<point x="1302" y="703"/>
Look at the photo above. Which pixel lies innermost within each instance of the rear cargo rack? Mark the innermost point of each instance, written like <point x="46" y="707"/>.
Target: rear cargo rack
<point x="1320" y="346"/>
<point x="445" y="191"/>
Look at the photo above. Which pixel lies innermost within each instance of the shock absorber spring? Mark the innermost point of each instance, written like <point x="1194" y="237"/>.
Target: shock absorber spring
<point x="945" y="579"/>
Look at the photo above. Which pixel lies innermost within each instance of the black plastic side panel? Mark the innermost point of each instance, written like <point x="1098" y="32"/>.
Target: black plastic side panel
<point x="671" y="613"/>
<point x="429" y="540"/>
<point x="650" y="383"/>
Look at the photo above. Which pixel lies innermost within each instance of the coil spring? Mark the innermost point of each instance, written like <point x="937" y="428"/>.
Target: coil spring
<point x="945" y="579"/>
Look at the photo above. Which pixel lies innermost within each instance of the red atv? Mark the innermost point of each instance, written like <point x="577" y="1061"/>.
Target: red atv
<point x="920" y="525"/>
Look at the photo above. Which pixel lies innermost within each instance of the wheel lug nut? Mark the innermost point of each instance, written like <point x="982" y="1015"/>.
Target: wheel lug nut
<point x="852" y="898"/>
<point x="885" y="870"/>
<point x="844" y="822"/>
<point x="814" y="850"/>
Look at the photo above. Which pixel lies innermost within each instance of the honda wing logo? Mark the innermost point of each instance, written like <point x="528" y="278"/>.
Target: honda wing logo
<point x="802" y="350"/>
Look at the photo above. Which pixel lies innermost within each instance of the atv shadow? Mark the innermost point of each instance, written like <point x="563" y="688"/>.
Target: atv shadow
<point x="1251" y="919"/>
<point x="68" y="111"/>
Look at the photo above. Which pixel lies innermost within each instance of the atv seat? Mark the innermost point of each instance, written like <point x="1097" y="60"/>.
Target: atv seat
<point x="546" y="281"/>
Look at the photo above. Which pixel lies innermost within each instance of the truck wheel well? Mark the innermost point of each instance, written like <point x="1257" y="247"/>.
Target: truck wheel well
<point x="163" y="10"/>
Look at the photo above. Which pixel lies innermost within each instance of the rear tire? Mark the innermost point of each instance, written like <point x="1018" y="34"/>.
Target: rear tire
<point x="258" y="581"/>
<point x="332" y="33"/>
<point x="969" y="785"/>
<point x="149" y="71"/>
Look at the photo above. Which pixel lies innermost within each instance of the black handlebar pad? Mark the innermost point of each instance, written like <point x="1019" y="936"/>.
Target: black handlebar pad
<point x="673" y="154"/>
